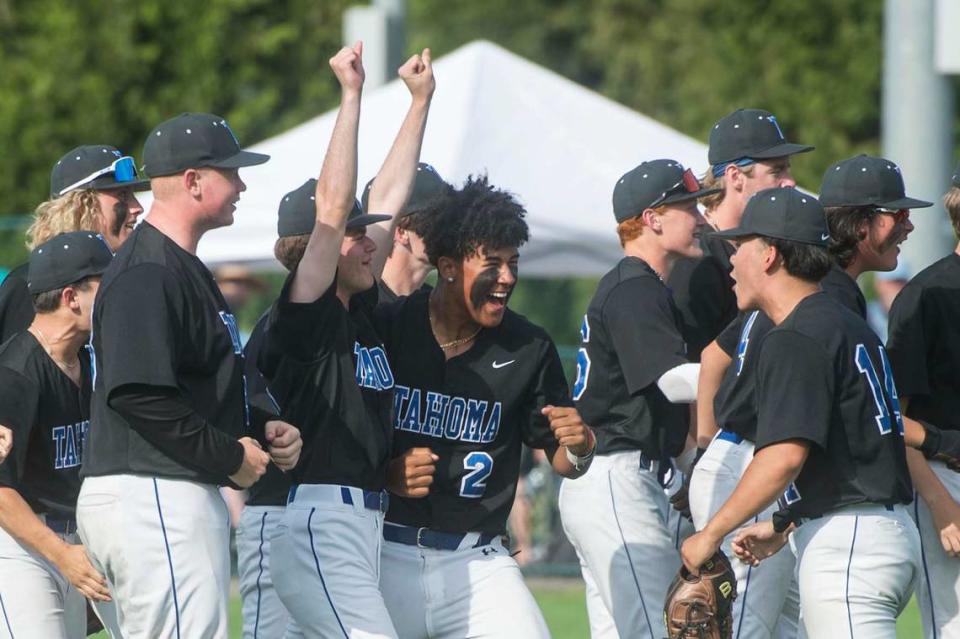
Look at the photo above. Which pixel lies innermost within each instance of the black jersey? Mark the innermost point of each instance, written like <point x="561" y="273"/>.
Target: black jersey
<point x="703" y="292"/>
<point x="924" y="343"/>
<point x="327" y="370"/>
<point x="734" y="405"/>
<point x="273" y="487"/>
<point x="630" y="338"/>
<point x="386" y="293"/>
<point x="473" y="410"/>
<point x="840" y="286"/>
<point x="823" y="376"/>
<point x="49" y="416"/>
<point x="16" y="304"/>
<point x="161" y="325"/>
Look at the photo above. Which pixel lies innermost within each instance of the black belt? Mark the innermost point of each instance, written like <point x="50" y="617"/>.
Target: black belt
<point x="372" y="499"/>
<point x="426" y="538"/>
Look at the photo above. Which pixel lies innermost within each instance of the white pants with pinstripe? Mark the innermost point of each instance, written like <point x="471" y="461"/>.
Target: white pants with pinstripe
<point x="767" y="603"/>
<point x="264" y="616"/>
<point x="938" y="591"/>
<point x="163" y="545"/>
<point x="857" y="568"/>
<point x="618" y="519"/>
<point x="325" y="561"/>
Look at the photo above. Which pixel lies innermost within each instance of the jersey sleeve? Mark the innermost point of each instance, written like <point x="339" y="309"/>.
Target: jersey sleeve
<point x="907" y="343"/>
<point x="794" y="389"/>
<point x="549" y="388"/>
<point x="141" y="317"/>
<point x="301" y="331"/>
<point x="643" y="331"/>
<point x="729" y="338"/>
<point x="700" y="292"/>
<point x="18" y="408"/>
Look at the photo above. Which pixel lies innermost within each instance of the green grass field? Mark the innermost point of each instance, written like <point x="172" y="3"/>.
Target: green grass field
<point x="564" y="608"/>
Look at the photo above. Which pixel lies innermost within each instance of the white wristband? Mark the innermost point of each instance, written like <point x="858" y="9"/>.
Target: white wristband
<point x="579" y="462"/>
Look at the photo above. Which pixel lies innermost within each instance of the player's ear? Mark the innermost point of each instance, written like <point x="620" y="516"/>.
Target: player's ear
<point x="651" y="219"/>
<point x="770" y="256"/>
<point x="400" y="236"/>
<point x="733" y="176"/>
<point x="448" y="269"/>
<point x="191" y="181"/>
<point x="69" y="298"/>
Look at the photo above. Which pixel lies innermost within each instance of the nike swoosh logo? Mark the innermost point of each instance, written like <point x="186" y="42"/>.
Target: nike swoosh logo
<point x="497" y="364"/>
<point x="825" y="237"/>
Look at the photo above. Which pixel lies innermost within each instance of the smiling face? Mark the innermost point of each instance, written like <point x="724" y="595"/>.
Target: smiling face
<point x="488" y="277"/>
<point x="884" y="233"/>
<point x="680" y="227"/>
<point x="119" y="210"/>
<point x="219" y="190"/>
<point x="750" y="263"/>
<point x="353" y="267"/>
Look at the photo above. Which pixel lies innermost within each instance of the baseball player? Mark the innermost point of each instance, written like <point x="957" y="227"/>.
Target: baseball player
<point x="473" y="381"/>
<point x="632" y="372"/>
<point x="861" y="240"/>
<point x="263" y="612"/>
<point x="828" y="431"/>
<point x="170" y="419"/>
<point x="45" y="575"/>
<point x="327" y="369"/>
<point x="748" y="152"/>
<point x="924" y="347"/>
<point x="407" y="264"/>
<point x="92" y="188"/>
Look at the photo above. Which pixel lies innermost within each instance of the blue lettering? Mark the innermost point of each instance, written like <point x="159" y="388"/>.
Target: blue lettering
<point x="399" y="396"/>
<point x="475" y="410"/>
<point x="231" y="323"/>
<point x="433" y="419"/>
<point x="411" y="421"/>
<point x="493" y="425"/>
<point x="71" y="458"/>
<point x="382" y="367"/>
<point x="59" y="446"/>
<point x="372" y="368"/>
<point x="453" y="420"/>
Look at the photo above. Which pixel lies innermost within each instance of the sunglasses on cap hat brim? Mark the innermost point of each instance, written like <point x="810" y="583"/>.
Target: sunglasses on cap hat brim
<point x="124" y="171"/>
<point x="688" y="188"/>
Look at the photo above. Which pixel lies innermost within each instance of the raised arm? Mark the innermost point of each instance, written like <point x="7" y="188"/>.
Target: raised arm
<point x="393" y="185"/>
<point x="337" y="184"/>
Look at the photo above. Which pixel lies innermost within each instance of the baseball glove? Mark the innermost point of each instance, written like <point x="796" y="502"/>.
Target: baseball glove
<point x="942" y="445"/>
<point x="700" y="606"/>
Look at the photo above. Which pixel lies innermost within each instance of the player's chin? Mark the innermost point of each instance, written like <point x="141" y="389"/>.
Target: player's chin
<point x="490" y="314"/>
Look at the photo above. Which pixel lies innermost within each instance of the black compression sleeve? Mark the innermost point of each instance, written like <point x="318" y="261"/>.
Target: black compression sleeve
<point x="162" y="417"/>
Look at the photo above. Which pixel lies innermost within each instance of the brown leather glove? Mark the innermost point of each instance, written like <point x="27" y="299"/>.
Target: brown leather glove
<point x="701" y="605"/>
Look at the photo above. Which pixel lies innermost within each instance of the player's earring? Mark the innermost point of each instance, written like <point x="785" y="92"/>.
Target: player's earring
<point x="450" y="279"/>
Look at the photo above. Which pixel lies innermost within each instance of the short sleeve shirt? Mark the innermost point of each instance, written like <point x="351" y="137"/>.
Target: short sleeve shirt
<point x="630" y="337"/>
<point x="824" y="377"/>
<point x="924" y="343"/>
<point x="474" y="411"/>
<point x="49" y="416"/>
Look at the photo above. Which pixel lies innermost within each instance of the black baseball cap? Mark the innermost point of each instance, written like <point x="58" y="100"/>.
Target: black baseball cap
<point x="427" y="186"/>
<point x="866" y="181"/>
<point x="298" y="212"/>
<point x="653" y="184"/>
<point x="785" y="214"/>
<point x="194" y="140"/>
<point x="95" y="166"/>
<point x="65" y="259"/>
<point x="749" y="134"/>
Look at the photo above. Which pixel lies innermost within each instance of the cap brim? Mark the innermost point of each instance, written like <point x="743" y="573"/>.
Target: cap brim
<point x="366" y="219"/>
<point x="732" y="234"/>
<point x="781" y="150"/>
<point x="906" y="203"/>
<point x="696" y="195"/>
<point x="241" y="159"/>
<point x="136" y="185"/>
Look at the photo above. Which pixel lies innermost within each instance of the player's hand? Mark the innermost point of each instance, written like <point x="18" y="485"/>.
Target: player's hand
<point x="284" y="442"/>
<point x="680" y="500"/>
<point x="254" y="464"/>
<point x="697" y="549"/>
<point x="6" y="442"/>
<point x="73" y="563"/>
<point x="417" y="74"/>
<point x="347" y="65"/>
<point x="569" y="430"/>
<point x="411" y="474"/>
<point x="756" y="542"/>
<point x="946" y="518"/>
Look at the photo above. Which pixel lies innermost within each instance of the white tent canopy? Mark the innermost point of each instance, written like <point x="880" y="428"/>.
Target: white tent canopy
<point x="556" y="145"/>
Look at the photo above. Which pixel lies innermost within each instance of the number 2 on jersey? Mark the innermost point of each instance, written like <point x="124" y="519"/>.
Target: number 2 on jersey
<point x="474" y="483"/>
<point x="881" y="395"/>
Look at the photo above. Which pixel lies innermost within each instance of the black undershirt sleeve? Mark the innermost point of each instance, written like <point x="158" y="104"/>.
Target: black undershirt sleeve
<point x="164" y="418"/>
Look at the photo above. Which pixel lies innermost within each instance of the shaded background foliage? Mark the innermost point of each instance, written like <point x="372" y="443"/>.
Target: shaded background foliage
<point x="93" y="71"/>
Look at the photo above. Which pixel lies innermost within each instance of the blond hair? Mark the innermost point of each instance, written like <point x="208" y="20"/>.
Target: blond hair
<point x="951" y="201"/>
<point x="75" y="211"/>
<point x="710" y="181"/>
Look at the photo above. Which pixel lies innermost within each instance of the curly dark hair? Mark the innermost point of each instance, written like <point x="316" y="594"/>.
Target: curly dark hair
<point x="845" y="224"/>
<point x="479" y="214"/>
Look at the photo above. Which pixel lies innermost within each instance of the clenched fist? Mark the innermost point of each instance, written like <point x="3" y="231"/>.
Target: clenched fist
<point x="417" y="74"/>
<point x="411" y="474"/>
<point x="569" y="430"/>
<point x="254" y="463"/>
<point x="347" y="65"/>
<point x="284" y="444"/>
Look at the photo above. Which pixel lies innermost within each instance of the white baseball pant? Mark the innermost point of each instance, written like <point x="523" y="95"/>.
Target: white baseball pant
<point x="767" y="603"/>
<point x="325" y="562"/>
<point x="475" y="590"/>
<point x="938" y="591"/>
<point x="857" y="568"/>
<point x="617" y="517"/>
<point x="163" y="545"/>
<point x="264" y="616"/>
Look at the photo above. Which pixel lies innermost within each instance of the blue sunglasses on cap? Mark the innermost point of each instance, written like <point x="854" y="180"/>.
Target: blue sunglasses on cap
<point x="123" y="169"/>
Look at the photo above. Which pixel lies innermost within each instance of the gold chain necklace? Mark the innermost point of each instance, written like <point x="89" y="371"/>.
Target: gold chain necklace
<point x="49" y="350"/>
<point x="456" y="342"/>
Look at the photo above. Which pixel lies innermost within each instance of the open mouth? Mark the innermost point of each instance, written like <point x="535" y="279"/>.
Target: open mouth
<point x="498" y="299"/>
